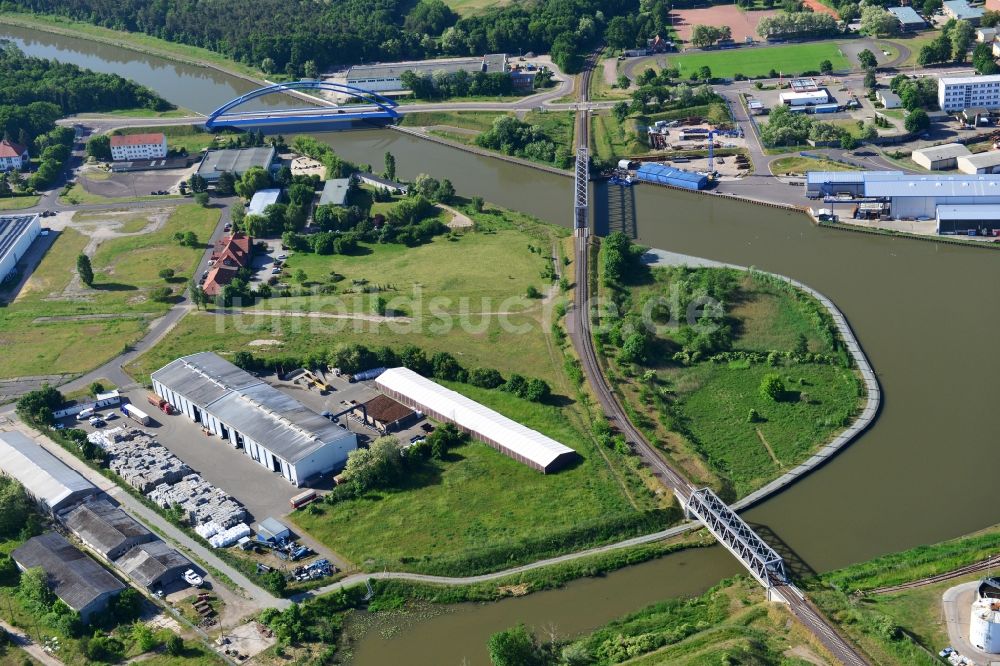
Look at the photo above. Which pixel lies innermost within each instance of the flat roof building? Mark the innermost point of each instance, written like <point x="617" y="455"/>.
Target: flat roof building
<point x="388" y="76"/>
<point x="505" y="435"/>
<point x="262" y="199"/>
<point x="106" y="528"/>
<point x="937" y="158"/>
<point x="810" y="98"/>
<point x="908" y="18"/>
<point x="335" y="192"/>
<point x="271" y="427"/>
<point x="988" y="162"/>
<point x="17" y="233"/>
<point x="45" y="478"/>
<point x="961" y="10"/>
<point x="80" y="582"/>
<point x="153" y="564"/>
<point x="957" y="93"/>
<point x="234" y="160"/>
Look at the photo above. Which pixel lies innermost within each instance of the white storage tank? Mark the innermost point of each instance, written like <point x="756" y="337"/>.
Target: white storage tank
<point x="984" y="622"/>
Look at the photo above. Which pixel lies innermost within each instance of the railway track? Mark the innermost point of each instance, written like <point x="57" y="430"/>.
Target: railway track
<point x="938" y="578"/>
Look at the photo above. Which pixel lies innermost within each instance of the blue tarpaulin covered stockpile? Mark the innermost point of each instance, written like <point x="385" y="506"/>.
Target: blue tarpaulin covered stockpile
<point x="664" y="175"/>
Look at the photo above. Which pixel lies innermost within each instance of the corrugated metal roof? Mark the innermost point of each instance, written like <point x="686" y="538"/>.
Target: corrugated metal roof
<point x="940" y="186"/>
<point x="262" y="199"/>
<point x="105" y="527"/>
<point x="943" y="152"/>
<point x="235" y="160"/>
<point x="906" y="15"/>
<point x="979" y="160"/>
<point x="272" y="528"/>
<point x="652" y="170"/>
<point x="261" y="412"/>
<point x="473" y="416"/>
<point x="45" y="477"/>
<point x="961" y="10"/>
<point x="75" y="578"/>
<point x="148" y="563"/>
<point x="969" y="212"/>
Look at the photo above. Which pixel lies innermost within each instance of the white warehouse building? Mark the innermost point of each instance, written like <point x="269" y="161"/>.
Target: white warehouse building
<point x="505" y="435"/>
<point x="957" y="93"/>
<point x="17" y="233"/>
<point x="274" y="429"/>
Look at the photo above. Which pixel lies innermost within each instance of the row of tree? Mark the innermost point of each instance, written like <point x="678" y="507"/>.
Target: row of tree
<point x="797" y="25"/>
<point x="442" y="84"/>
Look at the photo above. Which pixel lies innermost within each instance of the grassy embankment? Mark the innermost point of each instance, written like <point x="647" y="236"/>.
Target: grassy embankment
<point x="784" y="166"/>
<point x="464" y="126"/>
<point x="759" y="61"/>
<point x="903" y="627"/>
<point x="476" y="510"/>
<point x="20" y="201"/>
<point x="710" y="416"/>
<point x="94" y="324"/>
<point x="467" y="7"/>
<point x="732" y="623"/>
<point x="131" y="40"/>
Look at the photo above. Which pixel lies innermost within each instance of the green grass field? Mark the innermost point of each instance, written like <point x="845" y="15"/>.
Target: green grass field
<point x="473" y="120"/>
<point x="19" y="202"/>
<point x="788" y="60"/>
<point x="467" y="7"/>
<point x="451" y="514"/>
<point x="799" y="165"/>
<point x="610" y="139"/>
<point x="98" y="323"/>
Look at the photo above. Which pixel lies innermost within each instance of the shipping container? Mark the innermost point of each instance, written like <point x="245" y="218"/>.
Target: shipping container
<point x="826" y="108"/>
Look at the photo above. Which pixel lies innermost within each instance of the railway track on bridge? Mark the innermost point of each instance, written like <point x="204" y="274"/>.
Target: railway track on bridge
<point x="579" y="325"/>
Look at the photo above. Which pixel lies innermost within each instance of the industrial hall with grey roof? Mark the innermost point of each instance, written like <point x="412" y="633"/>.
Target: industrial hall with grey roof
<point x="273" y="428"/>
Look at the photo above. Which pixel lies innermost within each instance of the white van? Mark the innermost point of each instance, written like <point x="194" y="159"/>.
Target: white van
<point x="85" y="414"/>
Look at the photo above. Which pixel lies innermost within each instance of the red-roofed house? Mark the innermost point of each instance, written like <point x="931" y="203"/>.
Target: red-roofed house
<point x="138" y="146"/>
<point x="229" y="255"/>
<point x="12" y="156"/>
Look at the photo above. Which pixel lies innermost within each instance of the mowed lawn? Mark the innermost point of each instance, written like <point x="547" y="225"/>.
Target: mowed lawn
<point x="758" y="61"/>
<point x="474" y="500"/>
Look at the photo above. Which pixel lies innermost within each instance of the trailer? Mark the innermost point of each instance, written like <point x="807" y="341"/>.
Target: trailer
<point x="302" y="499"/>
<point x="135" y="413"/>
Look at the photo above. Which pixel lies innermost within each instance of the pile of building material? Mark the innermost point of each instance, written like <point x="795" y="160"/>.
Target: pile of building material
<point x="200" y="501"/>
<point x="141" y="461"/>
<point x="229" y="537"/>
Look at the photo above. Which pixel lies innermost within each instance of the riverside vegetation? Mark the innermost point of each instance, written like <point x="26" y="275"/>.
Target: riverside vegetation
<point x="736" y="375"/>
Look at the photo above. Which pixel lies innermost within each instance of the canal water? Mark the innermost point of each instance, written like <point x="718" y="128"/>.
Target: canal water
<point x="926" y="314"/>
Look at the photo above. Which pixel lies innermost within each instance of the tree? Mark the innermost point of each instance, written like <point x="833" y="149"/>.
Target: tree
<point x="877" y="21"/>
<point x="197" y="183"/>
<point x="85" y="270"/>
<point x="310" y="70"/>
<point x="848" y="142"/>
<point x="825" y="67"/>
<point x="390" y="165"/>
<point x="870" y="81"/>
<point x="190" y="239"/>
<point x="486" y="378"/>
<point x="917" y="121"/>
<point x="623" y="82"/>
<point x="174" y="643"/>
<point x="514" y="647"/>
<point x="36" y="406"/>
<point x="772" y="387"/>
<point x="620" y="111"/>
<point x="275" y="582"/>
<point x="198" y="295"/>
<point x="705" y="73"/>
<point x="225" y="186"/>
<point x="378" y="466"/>
<point x="990" y="18"/>
<point x="254" y="179"/>
<point x="477" y="204"/>
<point x="14" y="507"/>
<point x="34" y="590"/>
<point x="99" y="147"/>
<point x="201" y="198"/>
<point x="961" y="38"/>
<point x="267" y="66"/>
<point x="143" y="637"/>
<point x="704" y="35"/>
<point x="867" y="59"/>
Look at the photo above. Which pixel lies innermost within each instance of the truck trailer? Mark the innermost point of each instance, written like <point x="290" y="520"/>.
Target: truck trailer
<point x="135" y="413"/>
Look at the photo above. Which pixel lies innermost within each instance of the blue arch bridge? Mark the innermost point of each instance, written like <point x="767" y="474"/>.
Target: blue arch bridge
<point x="364" y="107"/>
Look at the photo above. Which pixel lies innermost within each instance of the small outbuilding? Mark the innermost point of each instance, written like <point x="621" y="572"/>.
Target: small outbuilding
<point x="889" y="99"/>
<point x="936" y="158"/>
<point x="273" y="530"/>
<point x="45" y="478"/>
<point x="988" y="162"/>
<point x="262" y="199"/>
<point x="106" y="529"/>
<point x="153" y="564"/>
<point x="384" y="414"/>
<point x="79" y="581"/>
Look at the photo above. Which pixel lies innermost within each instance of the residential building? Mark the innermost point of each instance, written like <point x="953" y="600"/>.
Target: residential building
<point x="988" y="162"/>
<point x="17" y="233"/>
<point x="956" y="93"/>
<point x="270" y="427"/>
<point x="153" y="564"/>
<point x="378" y="182"/>
<point x="151" y="146"/>
<point x="230" y="254"/>
<point x="908" y="18"/>
<point x="47" y="480"/>
<point x="335" y="192"/>
<point x="938" y="158"/>
<point x="234" y="160"/>
<point x="105" y="528"/>
<point x="503" y="434"/>
<point x="79" y="582"/>
<point x="262" y="199"/>
<point x="384" y="77"/>
<point x="961" y="10"/>
<point x="889" y="99"/>
<point x="13" y="156"/>
<point x="384" y="414"/>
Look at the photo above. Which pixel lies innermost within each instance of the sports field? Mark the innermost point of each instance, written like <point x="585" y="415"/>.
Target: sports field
<point x="758" y="61"/>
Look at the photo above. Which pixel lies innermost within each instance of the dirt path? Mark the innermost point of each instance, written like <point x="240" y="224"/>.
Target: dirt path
<point x="767" y="446"/>
<point x="459" y="220"/>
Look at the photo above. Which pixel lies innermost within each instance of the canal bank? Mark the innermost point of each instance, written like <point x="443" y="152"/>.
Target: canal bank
<point x="920" y="311"/>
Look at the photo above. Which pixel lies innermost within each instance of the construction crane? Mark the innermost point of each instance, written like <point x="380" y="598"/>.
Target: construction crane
<point x="711" y="150"/>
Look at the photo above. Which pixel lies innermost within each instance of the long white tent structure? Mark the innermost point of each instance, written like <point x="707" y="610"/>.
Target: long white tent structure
<point x="45" y="478"/>
<point x="507" y="436"/>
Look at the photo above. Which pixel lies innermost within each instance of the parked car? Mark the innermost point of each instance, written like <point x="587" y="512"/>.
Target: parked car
<point x="275" y="271"/>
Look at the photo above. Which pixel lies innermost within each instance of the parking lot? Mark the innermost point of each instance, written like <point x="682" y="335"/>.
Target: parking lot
<point x="131" y="184"/>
